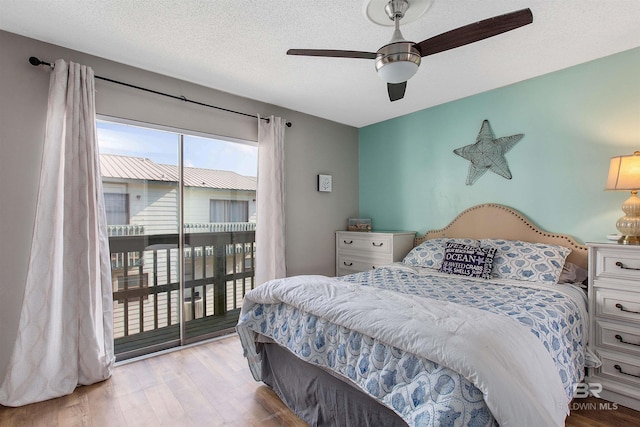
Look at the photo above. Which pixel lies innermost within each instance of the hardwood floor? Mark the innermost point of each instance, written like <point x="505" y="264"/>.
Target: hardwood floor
<point x="205" y="385"/>
<point x="593" y="412"/>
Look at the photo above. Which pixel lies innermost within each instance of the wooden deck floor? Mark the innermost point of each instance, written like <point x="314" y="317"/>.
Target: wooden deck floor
<point x="205" y="385"/>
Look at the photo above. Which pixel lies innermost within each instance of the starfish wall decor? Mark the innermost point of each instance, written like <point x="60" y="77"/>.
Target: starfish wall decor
<point x="488" y="153"/>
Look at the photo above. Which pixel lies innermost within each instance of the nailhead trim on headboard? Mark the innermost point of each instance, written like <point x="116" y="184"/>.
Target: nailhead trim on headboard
<point x="579" y="251"/>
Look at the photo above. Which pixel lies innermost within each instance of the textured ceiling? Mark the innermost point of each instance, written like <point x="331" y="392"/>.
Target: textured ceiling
<point x="239" y="46"/>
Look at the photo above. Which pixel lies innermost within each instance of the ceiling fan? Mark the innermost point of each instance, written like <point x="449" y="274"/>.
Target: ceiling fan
<point x="398" y="61"/>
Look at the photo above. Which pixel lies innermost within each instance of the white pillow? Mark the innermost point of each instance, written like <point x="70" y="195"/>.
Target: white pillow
<point x="533" y="262"/>
<point x="572" y="273"/>
<point x="430" y="253"/>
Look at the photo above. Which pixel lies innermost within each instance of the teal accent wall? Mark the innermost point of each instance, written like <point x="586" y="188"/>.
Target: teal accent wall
<point x="574" y="120"/>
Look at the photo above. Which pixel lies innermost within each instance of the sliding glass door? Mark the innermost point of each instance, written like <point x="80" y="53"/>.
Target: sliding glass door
<point x="181" y="214"/>
<point x="219" y="223"/>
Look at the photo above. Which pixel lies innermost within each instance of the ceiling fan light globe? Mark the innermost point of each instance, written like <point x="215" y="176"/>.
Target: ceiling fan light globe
<point x="397" y="72"/>
<point x="397" y="62"/>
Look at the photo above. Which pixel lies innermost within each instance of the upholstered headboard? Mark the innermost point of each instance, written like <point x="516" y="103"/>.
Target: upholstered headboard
<point x="496" y="221"/>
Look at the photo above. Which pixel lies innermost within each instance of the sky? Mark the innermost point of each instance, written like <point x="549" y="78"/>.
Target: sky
<point x="162" y="147"/>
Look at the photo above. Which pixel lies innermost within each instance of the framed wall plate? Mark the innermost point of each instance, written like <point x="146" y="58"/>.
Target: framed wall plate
<point x="324" y="183"/>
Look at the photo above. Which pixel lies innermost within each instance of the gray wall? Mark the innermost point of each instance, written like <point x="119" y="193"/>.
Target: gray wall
<point x="313" y="146"/>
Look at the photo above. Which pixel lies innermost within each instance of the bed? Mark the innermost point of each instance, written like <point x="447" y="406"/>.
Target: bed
<point x="473" y="328"/>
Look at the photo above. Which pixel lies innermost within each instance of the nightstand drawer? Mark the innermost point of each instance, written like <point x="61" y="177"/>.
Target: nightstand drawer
<point x="358" y="251"/>
<point x="372" y="244"/>
<point x="356" y="264"/>
<point x="617" y="263"/>
<point x="614" y="306"/>
<point x="618" y="305"/>
<point x="620" y="367"/>
<point x="618" y="337"/>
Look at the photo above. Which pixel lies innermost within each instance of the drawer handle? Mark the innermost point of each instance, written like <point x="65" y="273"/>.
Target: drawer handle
<point x="348" y="243"/>
<point x="347" y="264"/>
<point x="377" y="245"/>
<point x="619" y="338"/>
<point x="619" y="369"/>
<point x="621" y="265"/>
<point x="619" y="306"/>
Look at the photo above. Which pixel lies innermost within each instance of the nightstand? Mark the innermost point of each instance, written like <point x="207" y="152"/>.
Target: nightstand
<point x="360" y="251"/>
<point x="614" y="307"/>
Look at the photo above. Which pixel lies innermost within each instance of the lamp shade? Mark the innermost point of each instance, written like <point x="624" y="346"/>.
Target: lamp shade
<point x="624" y="172"/>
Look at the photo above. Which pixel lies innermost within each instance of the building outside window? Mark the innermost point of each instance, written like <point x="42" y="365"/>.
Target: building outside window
<point x="229" y="211"/>
<point x="117" y="208"/>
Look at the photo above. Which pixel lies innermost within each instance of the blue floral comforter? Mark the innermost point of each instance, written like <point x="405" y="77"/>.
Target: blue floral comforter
<point x="397" y="346"/>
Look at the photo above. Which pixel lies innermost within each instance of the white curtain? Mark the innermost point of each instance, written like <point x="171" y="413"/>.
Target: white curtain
<point x="270" y="230"/>
<point x="65" y="334"/>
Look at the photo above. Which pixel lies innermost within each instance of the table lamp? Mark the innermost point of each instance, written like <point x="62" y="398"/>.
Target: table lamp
<point x="624" y="174"/>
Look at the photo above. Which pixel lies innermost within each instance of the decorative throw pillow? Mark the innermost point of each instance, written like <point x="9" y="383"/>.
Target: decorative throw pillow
<point x="431" y="252"/>
<point x="572" y="273"/>
<point x="533" y="262"/>
<point x="467" y="260"/>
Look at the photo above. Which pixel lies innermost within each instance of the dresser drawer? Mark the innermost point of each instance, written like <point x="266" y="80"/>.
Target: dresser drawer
<point x="617" y="263"/>
<point x="343" y="271"/>
<point x="371" y="244"/>
<point x="357" y="251"/>
<point x="619" y="367"/>
<point x="618" y="337"/>
<point x="355" y="264"/>
<point x="614" y="306"/>
<point x="620" y="305"/>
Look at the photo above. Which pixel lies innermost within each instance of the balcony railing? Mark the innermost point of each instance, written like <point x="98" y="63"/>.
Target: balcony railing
<point x="125" y="230"/>
<point x="206" y="227"/>
<point x="219" y="227"/>
<point x="218" y="269"/>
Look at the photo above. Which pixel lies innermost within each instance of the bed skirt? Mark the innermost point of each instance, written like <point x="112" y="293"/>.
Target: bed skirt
<point x="318" y="397"/>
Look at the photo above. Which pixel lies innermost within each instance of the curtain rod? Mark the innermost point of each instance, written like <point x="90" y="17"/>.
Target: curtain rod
<point x="35" y="62"/>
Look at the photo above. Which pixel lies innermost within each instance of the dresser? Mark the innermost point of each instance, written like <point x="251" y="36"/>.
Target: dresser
<point x="359" y="251"/>
<point x="614" y="307"/>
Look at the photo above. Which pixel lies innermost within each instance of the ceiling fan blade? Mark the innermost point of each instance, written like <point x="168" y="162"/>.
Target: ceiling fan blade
<point x="475" y="32"/>
<point x="332" y="53"/>
<point x="396" y="90"/>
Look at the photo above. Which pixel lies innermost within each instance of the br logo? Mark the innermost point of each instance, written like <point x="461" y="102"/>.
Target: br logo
<point x="584" y="390"/>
